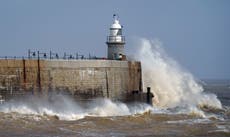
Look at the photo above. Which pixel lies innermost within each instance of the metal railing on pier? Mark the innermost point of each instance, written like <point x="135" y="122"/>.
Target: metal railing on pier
<point x="34" y="55"/>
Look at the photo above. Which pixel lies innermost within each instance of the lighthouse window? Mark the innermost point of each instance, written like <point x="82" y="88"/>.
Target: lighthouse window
<point x="119" y="32"/>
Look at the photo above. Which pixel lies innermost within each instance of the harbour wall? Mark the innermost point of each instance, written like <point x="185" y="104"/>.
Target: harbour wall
<point x="83" y="79"/>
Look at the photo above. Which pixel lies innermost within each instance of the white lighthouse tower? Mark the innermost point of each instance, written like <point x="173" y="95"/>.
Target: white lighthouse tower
<point x="115" y="41"/>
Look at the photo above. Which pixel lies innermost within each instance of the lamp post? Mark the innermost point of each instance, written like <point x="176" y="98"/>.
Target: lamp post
<point x="39" y="53"/>
<point x="53" y="54"/>
<point x="33" y="53"/>
<point x="68" y="56"/>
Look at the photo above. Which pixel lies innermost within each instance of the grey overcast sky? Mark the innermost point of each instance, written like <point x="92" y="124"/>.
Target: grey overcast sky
<point x="196" y="33"/>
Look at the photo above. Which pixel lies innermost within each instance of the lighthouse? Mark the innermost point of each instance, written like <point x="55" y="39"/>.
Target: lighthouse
<point x="116" y="41"/>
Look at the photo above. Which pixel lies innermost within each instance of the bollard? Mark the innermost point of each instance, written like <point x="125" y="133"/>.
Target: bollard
<point x="149" y="96"/>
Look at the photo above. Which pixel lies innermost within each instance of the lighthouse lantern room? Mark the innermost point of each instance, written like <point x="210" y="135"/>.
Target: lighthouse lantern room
<point x="116" y="41"/>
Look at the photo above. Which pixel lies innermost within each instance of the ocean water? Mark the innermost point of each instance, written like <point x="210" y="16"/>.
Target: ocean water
<point x="36" y="117"/>
<point x="182" y="106"/>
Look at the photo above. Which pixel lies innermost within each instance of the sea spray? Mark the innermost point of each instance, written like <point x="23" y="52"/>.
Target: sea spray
<point x="66" y="108"/>
<point x="60" y="106"/>
<point x="171" y="85"/>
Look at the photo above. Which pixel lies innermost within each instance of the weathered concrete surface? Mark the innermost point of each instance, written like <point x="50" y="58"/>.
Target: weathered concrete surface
<point x="81" y="78"/>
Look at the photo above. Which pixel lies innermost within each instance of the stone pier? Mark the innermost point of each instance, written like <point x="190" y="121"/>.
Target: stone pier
<point x="84" y="79"/>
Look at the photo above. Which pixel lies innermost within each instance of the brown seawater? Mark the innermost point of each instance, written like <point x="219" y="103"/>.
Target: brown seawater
<point x="102" y="118"/>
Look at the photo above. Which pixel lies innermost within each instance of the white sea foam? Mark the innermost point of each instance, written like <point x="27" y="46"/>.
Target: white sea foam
<point x="189" y="121"/>
<point x="105" y="107"/>
<point x="66" y="109"/>
<point x="171" y="85"/>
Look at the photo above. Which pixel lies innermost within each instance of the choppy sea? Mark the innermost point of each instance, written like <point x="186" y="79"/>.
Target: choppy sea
<point x="63" y="117"/>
